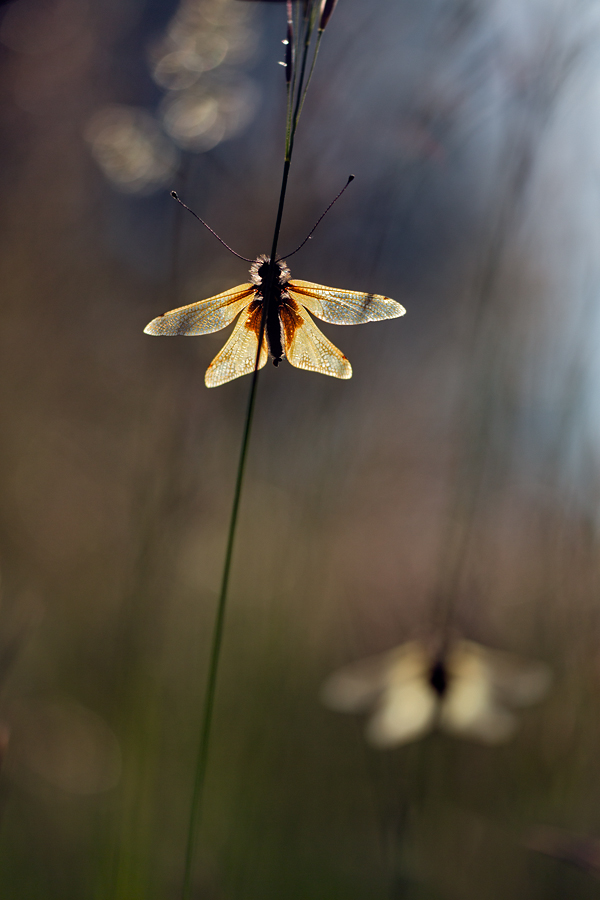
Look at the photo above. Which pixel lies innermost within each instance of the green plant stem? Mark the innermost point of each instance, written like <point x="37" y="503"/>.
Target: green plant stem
<point x="217" y="639"/>
<point x="297" y="86"/>
<point x="292" y="116"/>
<point x="215" y="653"/>
<point x="310" y="74"/>
<point x="284" y="182"/>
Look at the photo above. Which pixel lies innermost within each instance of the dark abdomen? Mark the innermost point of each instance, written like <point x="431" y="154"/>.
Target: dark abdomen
<point x="273" y="326"/>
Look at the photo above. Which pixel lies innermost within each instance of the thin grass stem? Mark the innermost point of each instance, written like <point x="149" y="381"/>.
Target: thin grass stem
<point x="215" y="653"/>
<point x="312" y="69"/>
<point x="296" y="88"/>
<point x="290" y="75"/>
<point x="217" y="638"/>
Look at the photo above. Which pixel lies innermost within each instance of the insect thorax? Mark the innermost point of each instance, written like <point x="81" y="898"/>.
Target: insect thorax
<point x="438" y="677"/>
<point x="260" y="268"/>
<point x="272" y="279"/>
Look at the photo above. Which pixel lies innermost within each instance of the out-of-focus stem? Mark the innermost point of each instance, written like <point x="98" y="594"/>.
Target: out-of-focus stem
<point x="312" y="69"/>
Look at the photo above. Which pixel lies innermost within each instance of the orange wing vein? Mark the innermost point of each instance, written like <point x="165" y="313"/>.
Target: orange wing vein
<point x="238" y="356"/>
<point x="306" y="347"/>
<point x="343" y="307"/>
<point x="205" y="316"/>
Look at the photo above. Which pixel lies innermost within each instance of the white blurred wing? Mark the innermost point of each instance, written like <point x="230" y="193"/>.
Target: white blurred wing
<point x="343" y="307"/>
<point x="517" y="681"/>
<point x="307" y="348"/>
<point x="408" y="707"/>
<point x="491" y="724"/>
<point x="482" y="681"/>
<point x="356" y="687"/>
<point x="395" y="686"/>
<point x="205" y="316"/>
<point x="469" y="706"/>
<point x="407" y="712"/>
<point x="238" y="356"/>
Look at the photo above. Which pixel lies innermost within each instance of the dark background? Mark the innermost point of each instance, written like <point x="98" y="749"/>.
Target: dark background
<point x="459" y="462"/>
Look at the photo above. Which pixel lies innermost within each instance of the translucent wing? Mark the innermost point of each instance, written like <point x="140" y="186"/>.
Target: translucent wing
<point x="205" y="316"/>
<point x="406" y="712"/>
<point x="517" y="681"/>
<point x="395" y="687"/>
<point x="469" y="706"/>
<point x="343" y="307"/>
<point x="408" y="707"/>
<point x="307" y="348"/>
<point x="238" y="356"/>
<point x="355" y="688"/>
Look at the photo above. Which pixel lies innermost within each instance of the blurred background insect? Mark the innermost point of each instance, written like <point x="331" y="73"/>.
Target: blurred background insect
<point x="463" y="688"/>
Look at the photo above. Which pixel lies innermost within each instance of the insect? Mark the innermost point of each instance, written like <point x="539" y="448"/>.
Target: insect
<point x="288" y="331"/>
<point x="463" y="687"/>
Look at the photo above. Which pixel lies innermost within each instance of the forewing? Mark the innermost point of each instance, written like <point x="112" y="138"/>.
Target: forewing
<point x="238" y="356"/>
<point x="356" y="687"/>
<point x="205" y="316"/>
<point x="469" y="706"/>
<point x="307" y="348"/>
<point x="343" y="307"/>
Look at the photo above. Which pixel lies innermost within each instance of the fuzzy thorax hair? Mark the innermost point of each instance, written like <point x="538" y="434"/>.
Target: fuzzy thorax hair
<point x="260" y="268"/>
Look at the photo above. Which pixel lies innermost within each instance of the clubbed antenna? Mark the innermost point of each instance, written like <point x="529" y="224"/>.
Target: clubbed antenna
<point x="175" y="196"/>
<point x="319" y="220"/>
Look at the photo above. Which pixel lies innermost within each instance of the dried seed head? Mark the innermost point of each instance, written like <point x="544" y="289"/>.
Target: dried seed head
<point x="327" y="7"/>
<point x="289" y="52"/>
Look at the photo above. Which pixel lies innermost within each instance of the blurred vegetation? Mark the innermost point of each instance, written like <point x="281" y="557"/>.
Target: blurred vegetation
<point x="460" y="462"/>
